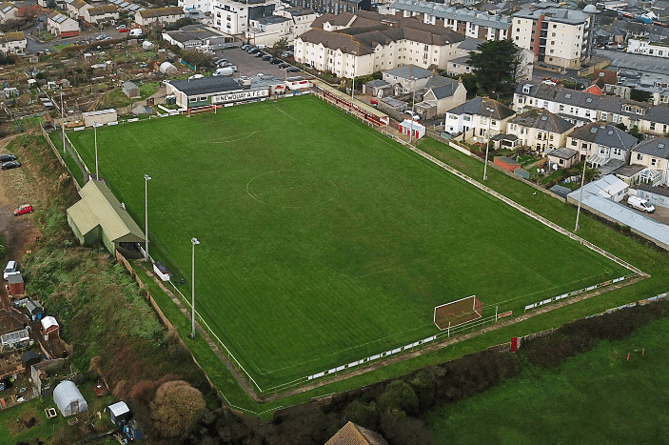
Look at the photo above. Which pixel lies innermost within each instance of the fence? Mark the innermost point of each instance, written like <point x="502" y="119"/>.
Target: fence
<point x="59" y="157"/>
<point x="576" y="292"/>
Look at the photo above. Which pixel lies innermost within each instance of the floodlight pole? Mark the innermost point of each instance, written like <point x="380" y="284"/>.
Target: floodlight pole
<point x="353" y="85"/>
<point x="194" y="241"/>
<point x="487" y="146"/>
<point x="146" y="215"/>
<point x="580" y="198"/>
<point x="62" y="123"/>
<point x="95" y="131"/>
<point x="413" y="101"/>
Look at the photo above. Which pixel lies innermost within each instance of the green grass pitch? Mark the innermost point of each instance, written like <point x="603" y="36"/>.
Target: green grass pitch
<point x="323" y="241"/>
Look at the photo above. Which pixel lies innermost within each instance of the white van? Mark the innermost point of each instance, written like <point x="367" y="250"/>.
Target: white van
<point x="135" y="32"/>
<point x="227" y="71"/>
<point x="640" y="204"/>
<point x="12" y="268"/>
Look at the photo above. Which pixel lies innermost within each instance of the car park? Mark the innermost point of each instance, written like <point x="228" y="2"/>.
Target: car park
<point x="25" y="208"/>
<point x="12" y="268"/>
<point x="10" y="164"/>
<point x="7" y="158"/>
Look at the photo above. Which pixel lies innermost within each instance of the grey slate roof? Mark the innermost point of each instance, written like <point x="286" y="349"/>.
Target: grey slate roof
<point x="448" y="12"/>
<point x="606" y="135"/>
<point x="563" y="153"/>
<point x="553" y="14"/>
<point x="377" y="83"/>
<point x="542" y="120"/>
<point x="470" y="44"/>
<point x="658" y="147"/>
<point x="483" y="107"/>
<point x="205" y="85"/>
<point x="409" y="71"/>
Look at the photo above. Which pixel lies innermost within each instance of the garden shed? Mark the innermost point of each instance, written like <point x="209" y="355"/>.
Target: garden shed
<point x="168" y="68"/>
<point x="119" y="413"/>
<point x="68" y="398"/>
<point x="30" y="358"/>
<point x="507" y="163"/>
<point x="49" y="326"/>
<point x="16" y="285"/>
<point x="130" y="89"/>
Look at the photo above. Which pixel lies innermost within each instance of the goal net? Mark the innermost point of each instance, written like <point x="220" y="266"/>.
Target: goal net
<point x="458" y="312"/>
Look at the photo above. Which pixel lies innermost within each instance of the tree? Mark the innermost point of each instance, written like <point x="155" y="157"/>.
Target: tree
<point x="176" y="408"/>
<point x="29" y="12"/>
<point x="496" y="66"/>
<point x="280" y="46"/>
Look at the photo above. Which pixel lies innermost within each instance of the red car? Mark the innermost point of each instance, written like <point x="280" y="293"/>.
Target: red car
<point x="26" y="208"/>
<point x="124" y="29"/>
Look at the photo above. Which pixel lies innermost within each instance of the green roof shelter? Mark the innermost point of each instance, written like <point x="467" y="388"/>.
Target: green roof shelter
<point x="99" y="216"/>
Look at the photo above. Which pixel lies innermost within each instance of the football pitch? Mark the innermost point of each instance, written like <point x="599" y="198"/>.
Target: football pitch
<point x="323" y="241"/>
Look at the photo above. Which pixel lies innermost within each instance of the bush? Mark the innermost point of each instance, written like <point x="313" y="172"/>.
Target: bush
<point x="176" y="408"/>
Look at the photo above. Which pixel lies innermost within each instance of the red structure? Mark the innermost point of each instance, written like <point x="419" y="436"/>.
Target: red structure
<point x="514" y="344"/>
<point x="16" y="285"/>
<point x="507" y="163"/>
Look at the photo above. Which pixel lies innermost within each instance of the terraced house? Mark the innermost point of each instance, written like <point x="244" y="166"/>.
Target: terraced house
<point x="13" y="42"/>
<point x="365" y="42"/>
<point x="159" y="15"/>
<point x="653" y="155"/>
<point x="540" y="130"/>
<point x="582" y="108"/>
<point x="466" y="22"/>
<point x="7" y="12"/>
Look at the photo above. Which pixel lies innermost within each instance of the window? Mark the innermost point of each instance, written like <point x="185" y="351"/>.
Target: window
<point x="561" y="107"/>
<point x="616" y="151"/>
<point x="639" y="157"/>
<point x="653" y="162"/>
<point x="603" y="115"/>
<point x="652" y="126"/>
<point x="192" y="100"/>
<point x="574" y="142"/>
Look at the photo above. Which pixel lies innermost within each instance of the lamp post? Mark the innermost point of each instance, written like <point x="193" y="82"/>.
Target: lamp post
<point x="194" y="241"/>
<point x="413" y="102"/>
<point x="487" y="145"/>
<point x="95" y="131"/>
<point x="62" y="123"/>
<point x="353" y="85"/>
<point x="580" y="198"/>
<point x="146" y="215"/>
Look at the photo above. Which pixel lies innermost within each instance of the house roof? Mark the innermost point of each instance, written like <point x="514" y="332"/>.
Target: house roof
<point x="6" y="7"/>
<point x="554" y="14"/>
<point x="12" y="37"/>
<point x="443" y="11"/>
<point x="442" y="87"/>
<point x="102" y="10"/>
<point x="470" y="44"/>
<point x="606" y="135"/>
<point x="542" y="120"/>
<point x="409" y="71"/>
<point x="78" y="4"/>
<point x="563" y="153"/>
<point x="658" y="147"/>
<point x="159" y="12"/>
<point x="205" y="85"/>
<point x="365" y="30"/>
<point x="352" y="434"/>
<point x="483" y="106"/>
<point x="377" y="83"/>
<point x="119" y="408"/>
<point x="48" y="322"/>
<point x="99" y="207"/>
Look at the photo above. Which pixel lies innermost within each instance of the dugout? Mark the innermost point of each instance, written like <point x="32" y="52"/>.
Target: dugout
<point x="99" y="117"/>
<point x="99" y="217"/>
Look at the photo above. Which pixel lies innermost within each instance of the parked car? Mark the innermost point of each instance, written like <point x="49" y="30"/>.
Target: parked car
<point x="413" y="115"/>
<point x="220" y="61"/>
<point x="275" y="61"/>
<point x="267" y="57"/>
<point x="640" y="204"/>
<point x="119" y="27"/>
<point x="227" y="71"/>
<point x="224" y="64"/>
<point x="260" y="54"/>
<point x="11" y="268"/>
<point x="196" y="76"/>
<point x="7" y="158"/>
<point x="124" y="29"/>
<point x="25" y="208"/>
<point x="101" y="37"/>
<point x="284" y="65"/>
<point x="253" y="50"/>
<point x="246" y="46"/>
<point x="10" y="164"/>
<point x="292" y="69"/>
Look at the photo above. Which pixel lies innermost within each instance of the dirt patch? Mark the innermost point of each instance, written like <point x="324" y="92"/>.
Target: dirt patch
<point x="22" y="423"/>
<point x="18" y="187"/>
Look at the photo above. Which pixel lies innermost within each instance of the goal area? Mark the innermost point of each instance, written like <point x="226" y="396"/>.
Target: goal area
<point x="457" y="312"/>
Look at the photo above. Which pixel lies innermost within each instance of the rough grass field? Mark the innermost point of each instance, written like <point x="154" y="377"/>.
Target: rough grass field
<point x="595" y="397"/>
<point x="322" y="241"/>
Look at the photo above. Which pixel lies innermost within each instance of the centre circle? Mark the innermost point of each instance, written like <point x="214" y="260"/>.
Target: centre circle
<point x="291" y="189"/>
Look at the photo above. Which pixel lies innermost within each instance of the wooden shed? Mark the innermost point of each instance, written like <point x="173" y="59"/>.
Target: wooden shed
<point x="130" y="89"/>
<point x="16" y="285"/>
<point x="507" y="163"/>
<point x="50" y="327"/>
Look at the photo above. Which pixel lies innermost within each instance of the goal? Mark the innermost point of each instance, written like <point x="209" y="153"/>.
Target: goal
<point x="458" y="312"/>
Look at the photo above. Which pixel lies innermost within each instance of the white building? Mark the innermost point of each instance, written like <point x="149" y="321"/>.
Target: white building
<point x="101" y="14"/>
<point x="13" y="43"/>
<point x="165" y="16"/>
<point x="642" y="45"/>
<point x="233" y="17"/>
<point x="557" y="36"/>
<point x="365" y="42"/>
<point x="269" y="30"/>
<point x="76" y="8"/>
<point x="482" y="117"/>
<point x="654" y="156"/>
<point x="194" y="36"/>
<point x="539" y="129"/>
<point x="61" y="25"/>
<point x="302" y="18"/>
<point x="467" y="22"/>
<point x="601" y="143"/>
<point x="196" y="5"/>
<point x="7" y="12"/>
